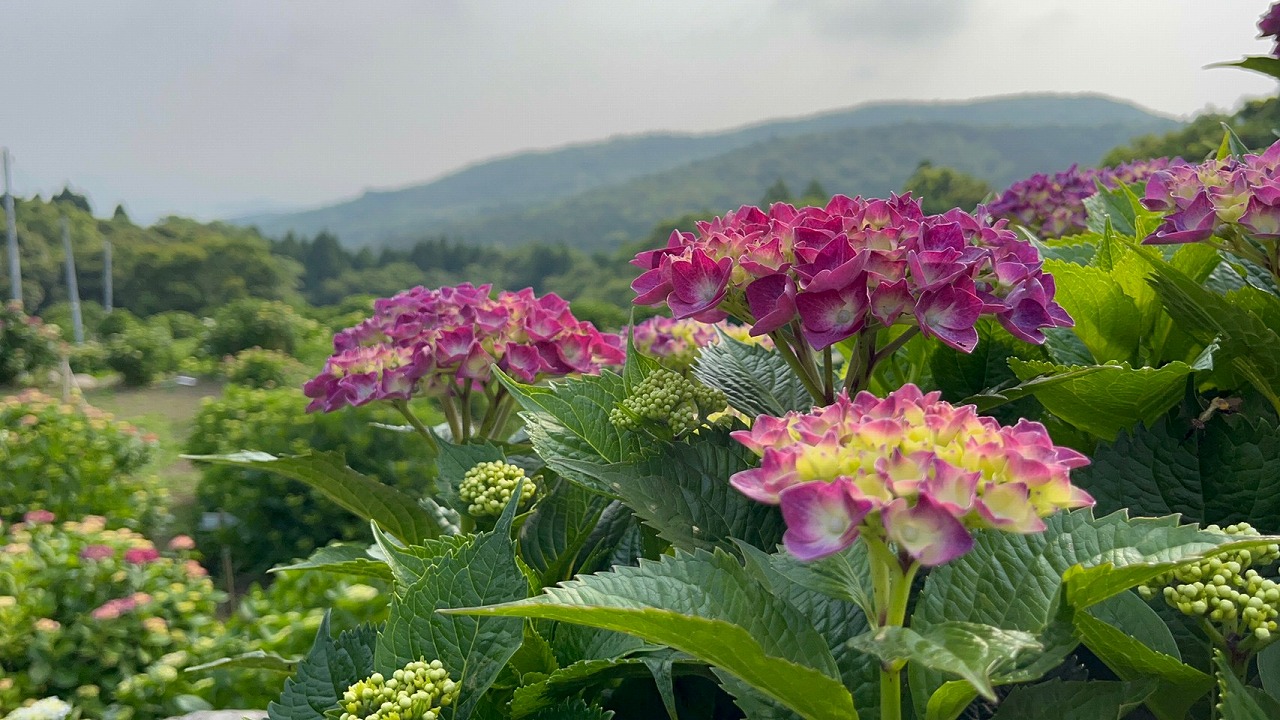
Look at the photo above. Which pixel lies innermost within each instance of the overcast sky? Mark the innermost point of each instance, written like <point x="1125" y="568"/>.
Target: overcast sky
<point x="221" y="108"/>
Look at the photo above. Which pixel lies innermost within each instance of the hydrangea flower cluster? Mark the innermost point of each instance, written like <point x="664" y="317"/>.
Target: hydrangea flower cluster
<point x="416" y="692"/>
<point x="1053" y="205"/>
<point x="854" y="264"/>
<point x="909" y="469"/>
<point x="1226" y="590"/>
<point x="488" y="486"/>
<point x="667" y="398"/>
<point x="676" y="343"/>
<point x="433" y="341"/>
<point x="1233" y="192"/>
<point x="50" y="708"/>
<point x="1269" y="26"/>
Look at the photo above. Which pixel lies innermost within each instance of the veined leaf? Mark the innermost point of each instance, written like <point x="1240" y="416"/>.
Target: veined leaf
<point x="755" y="379"/>
<point x="972" y="651"/>
<point x="1265" y="64"/>
<point x="1226" y="473"/>
<point x="566" y="682"/>
<point x="709" y="607"/>
<point x="1179" y="686"/>
<point x="332" y="666"/>
<point x="1245" y="340"/>
<point x="684" y="494"/>
<point x="343" y="559"/>
<point x="1074" y="700"/>
<point x="555" y="538"/>
<point x="482" y="570"/>
<point x="252" y="660"/>
<point x="1107" y="320"/>
<point x="574" y="709"/>
<point x="1238" y="701"/>
<point x="327" y="472"/>
<point x="1099" y="557"/>
<point x="1109" y="399"/>
<point x="568" y="424"/>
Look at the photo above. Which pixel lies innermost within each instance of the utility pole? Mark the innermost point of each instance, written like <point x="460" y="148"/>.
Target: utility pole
<point x="15" y="270"/>
<point x="106" y="276"/>
<point x="73" y="289"/>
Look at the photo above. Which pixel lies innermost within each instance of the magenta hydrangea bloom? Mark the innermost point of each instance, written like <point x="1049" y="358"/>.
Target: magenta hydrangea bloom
<point x="1269" y="26"/>
<point x="1200" y="199"/>
<point x="676" y="343"/>
<point x="1053" y="205"/>
<point x="850" y="266"/>
<point x="432" y="341"/>
<point x="909" y="469"/>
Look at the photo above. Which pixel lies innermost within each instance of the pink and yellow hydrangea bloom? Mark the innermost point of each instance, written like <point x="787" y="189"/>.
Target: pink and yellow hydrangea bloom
<point x="909" y="469"/>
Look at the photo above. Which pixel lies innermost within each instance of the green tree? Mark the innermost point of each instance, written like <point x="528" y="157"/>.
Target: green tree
<point x="1255" y="124"/>
<point x="776" y="193"/>
<point x="942" y="188"/>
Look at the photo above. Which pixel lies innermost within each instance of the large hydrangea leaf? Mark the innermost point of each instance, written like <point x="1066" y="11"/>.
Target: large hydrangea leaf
<point x="333" y="665"/>
<point x="480" y="569"/>
<point x="706" y="605"/>
<point x="1226" y="473"/>
<point x="755" y="379"/>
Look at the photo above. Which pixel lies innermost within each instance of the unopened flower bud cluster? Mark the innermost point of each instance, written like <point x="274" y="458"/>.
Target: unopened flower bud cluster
<point x="416" y="692"/>
<point x="488" y="487"/>
<point x="669" y="398"/>
<point x="1225" y="590"/>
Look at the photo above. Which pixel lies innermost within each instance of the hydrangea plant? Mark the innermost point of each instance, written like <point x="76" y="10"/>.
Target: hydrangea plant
<point x="779" y="531"/>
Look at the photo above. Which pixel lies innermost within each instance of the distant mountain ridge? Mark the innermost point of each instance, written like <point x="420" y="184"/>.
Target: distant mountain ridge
<point x="471" y="203"/>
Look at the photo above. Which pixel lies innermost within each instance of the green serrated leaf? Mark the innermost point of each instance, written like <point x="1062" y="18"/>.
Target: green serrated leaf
<point x="568" y="424"/>
<point x="972" y="651"/>
<point x="1105" y="556"/>
<point x="554" y="539"/>
<point x="755" y="379"/>
<point x="566" y="682"/>
<point x="824" y="597"/>
<point x="1106" y="400"/>
<point x="1107" y="320"/>
<point x="352" y="559"/>
<point x="1227" y="473"/>
<point x="1179" y="686"/>
<point x="1236" y="701"/>
<point x="332" y="666"/>
<point x="574" y="709"/>
<point x="709" y="607"/>
<point x="252" y="660"/>
<point x="481" y="571"/>
<point x="364" y="496"/>
<point x="1129" y="614"/>
<point x="1246" y="342"/>
<point x="1074" y="700"/>
<point x="684" y="494"/>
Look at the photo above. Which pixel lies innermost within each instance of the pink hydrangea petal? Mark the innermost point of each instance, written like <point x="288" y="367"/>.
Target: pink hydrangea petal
<point x="926" y="531"/>
<point x="822" y="518"/>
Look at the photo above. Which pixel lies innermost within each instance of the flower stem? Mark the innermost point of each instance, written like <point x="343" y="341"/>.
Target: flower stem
<point x="857" y="373"/>
<point x="891" y="581"/>
<point x="465" y="402"/>
<point x="403" y="406"/>
<point x="799" y="369"/>
<point x="451" y="415"/>
<point x="828" y="377"/>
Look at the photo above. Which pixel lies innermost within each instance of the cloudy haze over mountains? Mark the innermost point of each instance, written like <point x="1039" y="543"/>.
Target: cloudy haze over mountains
<point x="238" y="107"/>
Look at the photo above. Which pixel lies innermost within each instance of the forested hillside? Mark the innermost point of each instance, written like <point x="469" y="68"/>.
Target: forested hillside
<point x="863" y="161"/>
<point x="523" y="187"/>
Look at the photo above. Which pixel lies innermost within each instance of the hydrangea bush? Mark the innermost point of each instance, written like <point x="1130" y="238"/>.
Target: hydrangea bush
<point x="1052" y="206"/>
<point x="73" y="459"/>
<point x="787" y="530"/>
<point x="27" y="345"/>
<point x="102" y="618"/>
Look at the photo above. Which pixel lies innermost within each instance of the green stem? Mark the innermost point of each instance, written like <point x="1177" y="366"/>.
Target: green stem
<point x="403" y="406"/>
<point x="857" y="373"/>
<point x="891" y="579"/>
<point x="893" y="346"/>
<point x="794" y="362"/>
<point x="828" y="377"/>
<point x="465" y="401"/>
<point x="494" y="399"/>
<point x="506" y="404"/>
<point x="451" y="415"/>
